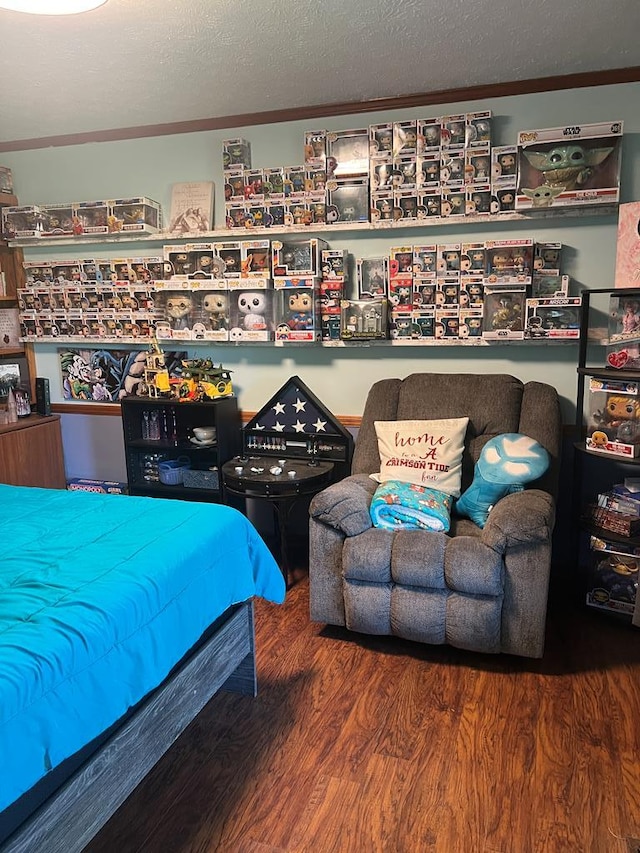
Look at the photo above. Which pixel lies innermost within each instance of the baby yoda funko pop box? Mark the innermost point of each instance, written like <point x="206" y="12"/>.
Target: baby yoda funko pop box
<point x="569" y="166"/>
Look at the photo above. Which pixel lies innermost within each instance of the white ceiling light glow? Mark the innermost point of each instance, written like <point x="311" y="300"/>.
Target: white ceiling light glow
<point x="51" y="7"/>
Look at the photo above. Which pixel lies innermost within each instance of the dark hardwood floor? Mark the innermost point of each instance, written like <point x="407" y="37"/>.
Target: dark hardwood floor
<point x="359" y="744"/>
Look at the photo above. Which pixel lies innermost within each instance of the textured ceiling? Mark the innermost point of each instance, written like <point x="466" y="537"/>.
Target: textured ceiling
<point x="140" y="62"/>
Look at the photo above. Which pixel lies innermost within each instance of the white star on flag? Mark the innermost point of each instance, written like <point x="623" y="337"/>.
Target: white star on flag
<point x="320" y="425"/>
<point x="298" y="426"/>
<point x="258" y="426"/>
<point x="279" y="408"/>
<point x="278" y="427"/>
<point x="299" y="405"/>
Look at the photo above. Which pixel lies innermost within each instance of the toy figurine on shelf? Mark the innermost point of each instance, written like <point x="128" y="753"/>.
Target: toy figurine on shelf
<point x="201" y="380"/>
<point x="616" y="426"/>
<point x="156" y="376"/>
<point x="300" y="306"/>
<point x="567" y="167"/>
<point x="625" y="314"/>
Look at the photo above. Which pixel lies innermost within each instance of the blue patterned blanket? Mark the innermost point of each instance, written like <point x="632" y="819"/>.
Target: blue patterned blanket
<point x="405" y="506"/>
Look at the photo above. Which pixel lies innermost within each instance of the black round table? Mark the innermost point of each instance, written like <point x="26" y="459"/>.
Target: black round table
<point x="279" y="481"/>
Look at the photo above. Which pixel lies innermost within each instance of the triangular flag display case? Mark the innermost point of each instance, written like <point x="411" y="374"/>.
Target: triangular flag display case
<point x="294" y="424"/>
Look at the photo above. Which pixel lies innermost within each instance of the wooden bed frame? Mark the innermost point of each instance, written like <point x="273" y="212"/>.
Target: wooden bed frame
<point x="72" y="816"/>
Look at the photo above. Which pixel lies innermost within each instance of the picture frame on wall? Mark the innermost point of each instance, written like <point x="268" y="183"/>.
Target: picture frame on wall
<point x="9" y="328"/>
<point x="191" y="209"/>
<point x="9" y="378"/>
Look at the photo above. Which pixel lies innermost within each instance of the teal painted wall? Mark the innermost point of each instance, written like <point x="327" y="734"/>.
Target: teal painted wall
<point x="341" y="377"/>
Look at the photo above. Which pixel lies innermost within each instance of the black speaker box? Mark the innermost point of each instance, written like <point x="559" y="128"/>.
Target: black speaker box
<point x="43" y="397"/>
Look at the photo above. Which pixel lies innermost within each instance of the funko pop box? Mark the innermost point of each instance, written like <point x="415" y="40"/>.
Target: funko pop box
<point x="613" y="575"/>
<point x="569" y="166"/>
<point x="613" y="417"/>
<point x="553" y="317"/>
<point x="297" y="310"/>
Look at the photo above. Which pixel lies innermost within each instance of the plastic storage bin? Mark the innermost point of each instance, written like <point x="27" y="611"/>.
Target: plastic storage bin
<point x="172" y="471"/>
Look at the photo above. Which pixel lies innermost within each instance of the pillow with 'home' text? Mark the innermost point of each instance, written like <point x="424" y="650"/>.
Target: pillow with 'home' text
<point x="427" y="453"/>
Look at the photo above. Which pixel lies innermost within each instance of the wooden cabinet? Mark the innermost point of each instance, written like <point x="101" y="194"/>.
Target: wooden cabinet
<point x="31" y="453"/>
<point x="161" y="430"/>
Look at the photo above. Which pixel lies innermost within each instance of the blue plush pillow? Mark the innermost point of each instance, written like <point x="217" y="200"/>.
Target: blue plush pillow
<point x="505" y="464"/>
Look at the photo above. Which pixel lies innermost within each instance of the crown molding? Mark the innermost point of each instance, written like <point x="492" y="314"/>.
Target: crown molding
<point x="470" y="93"/>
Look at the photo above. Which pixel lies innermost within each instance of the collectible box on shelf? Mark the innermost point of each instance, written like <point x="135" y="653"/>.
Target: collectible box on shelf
<point x="613" y="417"/>
<point x="473" y="259"/>
<point x="623" y="343"/>
<point x="297" y="310"/>
<point x="628" y="246"/>
<point x="453" y="201"/>
<point x="251" y="314"/>
<point x="255" y="258"/>
<point x="478" y="200"/>
<point x="381" y="142"/>
<point x="549" y="285"/>
<point x="504" y="312"/>
<point x="477" y="169"/>
<point x="547" y="258"/>
<point x="429" y="203"/>
<point x="612" y="520"/>
<point x="613" y="576"/>
<point x="406" y="204"/>
<point x="21" y="222"/>
<point x="503" y="199"/>
<point x="135" y="215"/>
<point x="363" y="319"/>
<point x="297" y="257"/>
<point x="230" y="251"/>
<point x="553" y="317"/>
<point x="347" y="200"/>
<point x="93" y="217"/>
<point x="294" y="178"/>
<point x="509" y="262"/>
<point x="315" y="147"/>
<point x="348" y="153"/>
<point x="504" y="178"/>
<point x="372" y="276"/>
<point x="621" y="500"/>
<point x="197" y="261"/>
<point x="428" y="170"/>
<point x="429" y="133"/>
<point x="60" y="220"/>
<point x="404" y="138"/>
<point x="236" y="153"/>
<point x="569" y="166"/>
<point x="425" y="260"/>
<point x="6" y="180"/>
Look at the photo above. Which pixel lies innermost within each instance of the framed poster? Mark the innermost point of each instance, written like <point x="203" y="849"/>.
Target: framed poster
<point x="107" y="375"/>
<point x="628" y="246"/>
<point x="9" y="328"/>
<point x="191" y="207"/>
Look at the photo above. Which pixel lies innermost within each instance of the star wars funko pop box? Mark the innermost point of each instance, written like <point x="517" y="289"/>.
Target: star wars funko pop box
<point x="569" y="166"/>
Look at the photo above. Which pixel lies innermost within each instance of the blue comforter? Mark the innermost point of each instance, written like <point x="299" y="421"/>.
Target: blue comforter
<point x="100" y="596"/>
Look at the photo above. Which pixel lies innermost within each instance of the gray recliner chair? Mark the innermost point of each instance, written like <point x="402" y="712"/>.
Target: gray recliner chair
<point x="478" y="589"/>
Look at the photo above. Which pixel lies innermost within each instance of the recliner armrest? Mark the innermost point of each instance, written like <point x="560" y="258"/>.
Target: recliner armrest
<point x="518" y="519"/>
<point x="345" y="505"/>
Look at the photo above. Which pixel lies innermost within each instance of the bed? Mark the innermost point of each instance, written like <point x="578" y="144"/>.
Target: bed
<point x="120" y="617"/>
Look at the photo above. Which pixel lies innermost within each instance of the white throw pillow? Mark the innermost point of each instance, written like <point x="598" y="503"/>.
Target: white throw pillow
<point x="428" y="453"/>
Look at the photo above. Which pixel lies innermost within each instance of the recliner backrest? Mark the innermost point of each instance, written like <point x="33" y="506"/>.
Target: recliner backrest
<point x="494" y="404"/>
